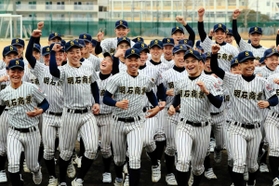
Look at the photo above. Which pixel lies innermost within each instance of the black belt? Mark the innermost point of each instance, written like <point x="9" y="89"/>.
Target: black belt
<point x="24" y="130"/>
<point x="77" y="111"/>
<point x="247" y="126"/>
<point x="275" y="114"/>
<point x="216" y="113"/>
<point x="55" y="113"/>
<point x="6" y="109"/>
<point x="146" y="108"/>
<point x="194" y="124"/>
<point x="127" y="120"/>
<point x="100" y="114"/>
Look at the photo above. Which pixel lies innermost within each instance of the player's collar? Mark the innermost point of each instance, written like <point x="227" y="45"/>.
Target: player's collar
<point x="155" y="63"/>
<point x="222" y="44"/>
<point x="208" y="73"/>
<point x="82" y="59"/>
<point x="268" y="68"/>
<point x="103" y="76"/>
<point x="193" y="78"/>
<point x="248" y="78"/>
<point x="260" y="46"/>
<point x="142" y="67"/>
<point x="179" y="69"/>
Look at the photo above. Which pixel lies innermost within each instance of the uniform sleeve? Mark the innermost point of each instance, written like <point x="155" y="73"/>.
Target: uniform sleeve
<point x="243" y="45"/>
<point x="206" y="44"/>
<point x="214" y="88"/>
<point x="94" y="76"/>
<point x="97" y="64"/>
<point x="105" y="44"/>
<point x="38" y="94"/>
<point x="268" y="89"/>
<point x="39" y="69"/>
<point x="177" y="88"/>
<point x="229" y="80"/>
<point x="112" y="85"/>
<point x="150" y="85"/>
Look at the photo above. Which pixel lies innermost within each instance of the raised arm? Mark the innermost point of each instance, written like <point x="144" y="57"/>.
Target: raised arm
<point x="28" y="55"/>
<point x="277" y="38"/>
<point x="236" y="35"/>
<point x="214" y="62"/>
<point x="98" y="48"/>
<point x="189" y="29"/>
<point x="201" y="30"/>
<point x="54" y="71"/>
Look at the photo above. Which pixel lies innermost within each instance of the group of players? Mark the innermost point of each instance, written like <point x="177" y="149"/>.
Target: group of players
<point x="165" y="98"/>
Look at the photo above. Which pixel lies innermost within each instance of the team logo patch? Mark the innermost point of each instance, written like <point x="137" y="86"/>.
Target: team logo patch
<point x="138" y="38"/>
<point x="72" y="43"/>
<point x="17" y="41"/>
<point x="219" y="25"/>
<point x="132" y="51"/>
<point x="181" y="47"/>
<point x="168" y="40"/>
<point x="55" y="34"/>
<point x="47" y="49"/>
<point x="84" y="36"/>
<point x="121" y="22"/>
<point x="246" y="53"/>
<point x="142" y="45"/>
<point x="124" y="38"/>
<point x="17" y="62"/>
<point x="236" y="61"/>
<point x="177" y="28"/>
<point x="11" y="48"/>
<point x="256" y="29"/>
<point x="191" y="51"/>
<point x="156" y="41"/>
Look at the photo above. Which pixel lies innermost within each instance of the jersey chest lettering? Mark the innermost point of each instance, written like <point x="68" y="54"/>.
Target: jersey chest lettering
<point x="35" y="81"/>
<point x="3" y="86"/>
<point x="171" y="85"/>
<point x="132" y="90"/>
<point x="18" y="101"/>
<point x="226" y="98"/>
<point x="248" y="95"/>
<point x="225" y="56"/>
<point x="49" y="81"/>
<point x="277" y="92"/>
<point x="102" y="92"/>
<point x="192" y="94"/>
<point x="79" y="80"/>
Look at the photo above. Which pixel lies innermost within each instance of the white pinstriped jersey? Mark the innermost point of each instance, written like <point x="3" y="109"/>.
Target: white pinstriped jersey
<point x="161" y="66"/>
<point x="104" y="109"/>
<point x="95" y="61"/>
<point x="110" y="45"/>
<point x="122" y="66"/>
<point x="244" y="97"/>
<point x="257" y="52"/>
<point x="219" y="81"/>
<point x="123" y="86"/>
<point x="50" y="86"/>
<point x="275" y="86"/>
<point x="29" y="73"/>
<point x="19" y="101"/>
<point x="2" y="64"/>
<point x="76" y="85"/>
<point x="226" y="53"/>
<point x="169" y="78"/>
<point x="194" y="105"/>
<point x="265" y="72"/>
<point x="170" y="63"/>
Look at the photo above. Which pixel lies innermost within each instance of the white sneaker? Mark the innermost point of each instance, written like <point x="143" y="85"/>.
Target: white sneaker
<point x="107" y="177"/>
<point x="25" y="168"/>
<point x="170" y="179"/>
<point x="37" y="177"/>
<point x="52" y="181"/>
<point x="191" y="179"/>
<point x="246" y="174"/>
<point x="125" y="168"/>
<point x="253" y="184"/>
<point x="77" y="182"/>
<point x="3" y="176"/>
<point x="264" y="168"/>
<point x="118" y="182"/>
<point x="275" y="182"/>
<point x="156" y="173"/>
<point x="77" y="161"/>
<point x="209" y="174"/>
<point x="63" y="184"/>
<point x="126" y="182"/>
<point x="71" y="170"/>
<point x="232" y="184"/>
<point x="212" y="144"/>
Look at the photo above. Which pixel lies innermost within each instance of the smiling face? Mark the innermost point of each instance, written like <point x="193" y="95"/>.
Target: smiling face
<point x="36" y="54"/>
<point x="15" y="75"/>
<point x="121" y="31"/>
<point x="220" y="36"/>
<point x="229" y="39"/>
<point x="193" y="66"/>
<point x="207" y="67"/>
<point x="177" y="36"/>
<point x="272" y="62"/>
<point x="255" y="39"/>
<point x="167" y="50"/>
<point x="74" y="56"/>
<point x="179" y="59"/>
<point x="247" y="67"/>
<point x="106" y="65"/>
<point x="156" y="53"/>
<point x="143" y="57"/>
<point x="133" y="63"/>
<point x="9" y="57"/>
<point x="236" y="69"/>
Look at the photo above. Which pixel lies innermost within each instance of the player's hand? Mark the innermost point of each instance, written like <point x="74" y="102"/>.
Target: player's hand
<point x="120" y="53"/>
<point x="210" y="34"/>
<point x="4" y="78"/>
<point x="35" y="112"/>
<point x="57" y="47"/>
<point x="171" y="110"/>
<point x="152" y="112"/>
<point x="122" y="104"/>
<point x="162" y="105"/>
<point x="276" y="80"/>
<point x="40" y="25"/>
<point x="201" y="12"/>
<point x="263" y="104"/>
<point x="36" y="33"/>
<point x="203" y="87"/>
<point x="181" y="20"/>
<point x="170" y="92"/>
<point x="100" y="36"/>
<point x="256" y="63"/>
<point x="96" y="108"/>
<point x="236" y="13"/>
<point x="215" y="49"/>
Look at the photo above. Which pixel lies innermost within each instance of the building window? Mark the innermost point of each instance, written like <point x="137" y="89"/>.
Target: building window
<point x="32" y="4"/>
<point x="268" y="3"/>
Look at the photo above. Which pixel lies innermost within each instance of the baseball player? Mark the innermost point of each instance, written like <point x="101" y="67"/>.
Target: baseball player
<point x="255" y="35"/>
<point x="168" y="44"/>
<point x="229" y="36"/>
<point x="199" y="47"/>
<point x="177" y="32"/>
<point x="194" y="93"/>
<point x="128" y="89"/>
<point x="138" y="39"/>
<point x="78" y="85"/>
<point x="19" y="44"/>
<point x="169" y="78"/>
<point x="24" y="102"/>
<point x="252" y="94"/>
<point x="227" y="52"/>
<point x="46" y="55"/>
<point x="54" y="38"/>
<point x="121" y="30"/>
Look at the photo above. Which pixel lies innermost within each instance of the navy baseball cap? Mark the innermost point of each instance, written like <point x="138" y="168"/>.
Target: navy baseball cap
<point x="123" y="39"/>
<point x="156" y="42"/>
<point x="16" y="63"/>
<point x="37" y="47"/>
<point x="193" y="53"/>
<point x="94" y="42"/>
<point x="86" y="37"/>
<point x="122" y="23"/>
<point x="255" y="29"/>
<point x="168" y="41"/>
<point x="45" y="50"/>
<point x="72" y="44"/>
<point x="179" y="48"/>
<point x="9" y="49"/>
<point x="219" y="26"/>
<point x="132" y="52"/>
<point x="81" y="42"/>
<point x="262" y="60"/>
<point x="141" y="47"/>
<point x="198" y="45"/>
<point x="229" y="32"/>
<point x="269" y="52"/>
<point x="61" y="50"/>
<point x="177" y="29"/>
<point x="186" y="42"/>
<point x="63" y="42"/>
<point x="18" y="42"/>
<point x="54" y="35"/>
<point x="208" y="55"/>
<point x="106" y="54"/>
<point x="138" y="39"/>
<point x="234" y="61"/>
<point x="245" y="55"/>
